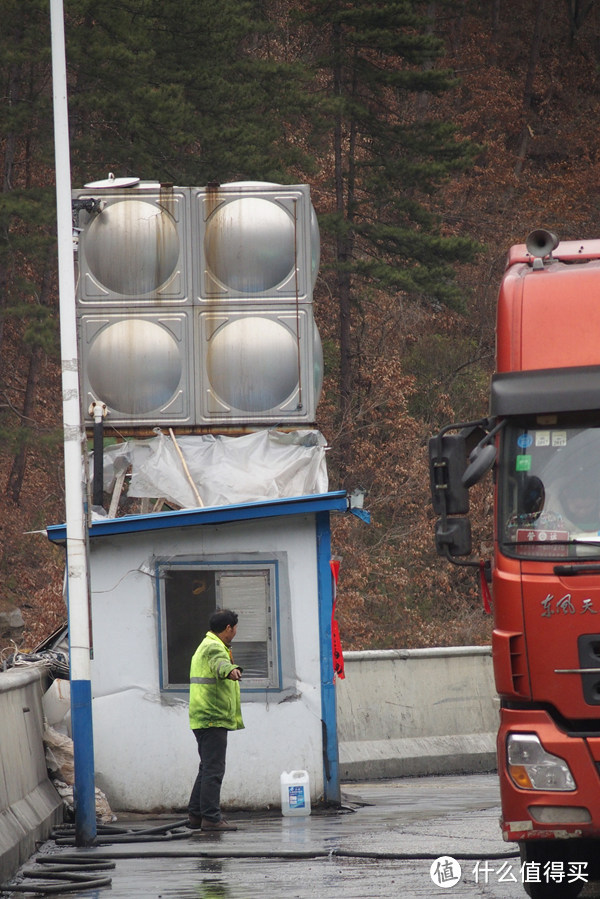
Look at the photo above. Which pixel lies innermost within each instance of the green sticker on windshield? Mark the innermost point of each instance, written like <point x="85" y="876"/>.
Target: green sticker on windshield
<point x="523" y="463"/>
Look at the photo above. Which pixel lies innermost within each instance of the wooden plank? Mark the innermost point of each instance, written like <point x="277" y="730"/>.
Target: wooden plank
<point x="116" y="494"/>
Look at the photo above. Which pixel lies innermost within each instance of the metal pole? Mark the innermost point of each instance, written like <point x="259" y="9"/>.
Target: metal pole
<point x="74" y="437"/>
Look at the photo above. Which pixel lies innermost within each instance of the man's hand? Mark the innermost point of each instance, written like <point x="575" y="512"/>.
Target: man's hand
<point x="235" y="674"/>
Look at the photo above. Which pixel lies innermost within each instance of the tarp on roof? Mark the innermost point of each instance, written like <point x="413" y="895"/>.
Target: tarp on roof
<point x="268" y="464"/>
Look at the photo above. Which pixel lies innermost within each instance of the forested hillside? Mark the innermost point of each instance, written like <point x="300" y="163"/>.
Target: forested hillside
<point x="433" y="136"/>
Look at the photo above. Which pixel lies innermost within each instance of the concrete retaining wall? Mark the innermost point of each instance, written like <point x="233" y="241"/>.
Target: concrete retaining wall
<point x="29" y="804"/>
<point x="417" y="712"/>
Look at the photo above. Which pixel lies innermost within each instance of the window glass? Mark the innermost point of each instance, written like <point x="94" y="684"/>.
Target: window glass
<point x="189" y="599"/>
<point x="549" y="488"/>
<point x="248" y="594"/>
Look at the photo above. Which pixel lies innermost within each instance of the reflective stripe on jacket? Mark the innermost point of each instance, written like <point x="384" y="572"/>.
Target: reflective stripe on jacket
<point x="214" y="698"/>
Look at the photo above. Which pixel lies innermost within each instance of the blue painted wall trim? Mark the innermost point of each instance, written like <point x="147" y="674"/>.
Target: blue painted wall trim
<point x="331" y="767"/>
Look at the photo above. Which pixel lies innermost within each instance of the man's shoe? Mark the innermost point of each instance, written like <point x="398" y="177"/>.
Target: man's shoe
<point x="194" y="822"/>
<point x="217" y="826"/>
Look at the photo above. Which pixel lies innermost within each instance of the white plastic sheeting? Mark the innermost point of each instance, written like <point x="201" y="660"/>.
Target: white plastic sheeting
<point x="268" y="464"/>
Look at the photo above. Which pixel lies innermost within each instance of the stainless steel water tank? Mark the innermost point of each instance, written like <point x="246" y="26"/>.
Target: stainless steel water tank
<point x="135" y="365"/>
<point x="132" y="247"/>
<point x="249" y="245"/>
<point x="195" y="304"/>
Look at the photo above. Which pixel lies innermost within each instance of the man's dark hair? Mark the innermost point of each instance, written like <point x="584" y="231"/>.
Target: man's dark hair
<point x="219" y="620"/>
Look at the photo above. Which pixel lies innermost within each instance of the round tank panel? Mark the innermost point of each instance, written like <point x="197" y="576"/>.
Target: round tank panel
<point x="252" y="364"/>
<point x="249" y="245"/>
<point x="318" y="365"/>
<point x="315" y="246"/>
<point x="132" y="247"/>
<point x="134" y="366"/>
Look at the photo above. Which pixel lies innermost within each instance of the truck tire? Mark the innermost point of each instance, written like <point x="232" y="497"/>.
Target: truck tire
<point x="540" y="853"/>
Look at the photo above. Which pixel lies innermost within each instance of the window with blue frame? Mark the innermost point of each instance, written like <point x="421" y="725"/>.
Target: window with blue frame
<point x="189" y="592"/>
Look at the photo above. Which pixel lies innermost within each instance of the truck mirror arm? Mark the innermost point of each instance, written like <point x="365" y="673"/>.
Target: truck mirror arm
<point x="466" y="563"/>
<point x="483" y="423"/>
<point x="482" y="457"/>
<point x="480" y="464"/>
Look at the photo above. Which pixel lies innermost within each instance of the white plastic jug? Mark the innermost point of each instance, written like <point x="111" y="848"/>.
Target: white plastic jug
<point x="295" y="793"/>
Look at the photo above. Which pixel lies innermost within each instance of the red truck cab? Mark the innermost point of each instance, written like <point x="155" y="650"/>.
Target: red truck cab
<point x="542" y="436"/>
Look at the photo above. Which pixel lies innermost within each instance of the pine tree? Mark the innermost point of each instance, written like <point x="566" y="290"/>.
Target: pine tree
<point x="124" y="117"/>
<point x="27" y="216"/>
<point x="176" y="90"/>
<point x="378" y="63"/>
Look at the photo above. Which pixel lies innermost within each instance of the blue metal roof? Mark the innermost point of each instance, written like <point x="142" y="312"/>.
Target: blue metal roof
<point x="336" y="501"/>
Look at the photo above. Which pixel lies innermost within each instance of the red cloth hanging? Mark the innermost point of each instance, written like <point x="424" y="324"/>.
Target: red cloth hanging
<point x="336" y="643"/>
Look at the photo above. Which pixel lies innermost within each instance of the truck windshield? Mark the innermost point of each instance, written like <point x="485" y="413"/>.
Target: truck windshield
<point x="549" y="488"/>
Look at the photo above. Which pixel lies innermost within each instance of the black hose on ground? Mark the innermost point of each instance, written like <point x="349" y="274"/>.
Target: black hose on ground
<point x="73" y="862"/>
<point x="282" y="854"/>
<point x="67" y="878"/>
<point x="64" y="835"/>
<point x="179" y="830"/>
<point x="126" y="838"/>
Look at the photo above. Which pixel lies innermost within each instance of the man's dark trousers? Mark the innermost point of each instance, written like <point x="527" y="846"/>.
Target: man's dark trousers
<point x="205" y="801"/>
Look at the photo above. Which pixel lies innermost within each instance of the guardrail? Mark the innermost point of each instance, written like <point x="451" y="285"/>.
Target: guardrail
<point x="29" y="804"/>
<point x="405" y="712"/>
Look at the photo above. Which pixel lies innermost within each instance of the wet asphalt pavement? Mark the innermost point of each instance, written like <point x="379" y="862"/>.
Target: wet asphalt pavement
<point x="392" y="838"/>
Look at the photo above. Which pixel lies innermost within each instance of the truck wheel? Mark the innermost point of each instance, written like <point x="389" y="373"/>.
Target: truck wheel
<point x="540" y="853"/>
<point x="553" y="890"/>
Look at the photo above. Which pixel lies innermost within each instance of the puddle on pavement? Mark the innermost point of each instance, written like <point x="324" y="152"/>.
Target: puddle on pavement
<point x="257" y="879"/>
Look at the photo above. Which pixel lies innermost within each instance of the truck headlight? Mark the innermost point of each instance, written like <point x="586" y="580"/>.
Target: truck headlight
<point x="532" y="768"/>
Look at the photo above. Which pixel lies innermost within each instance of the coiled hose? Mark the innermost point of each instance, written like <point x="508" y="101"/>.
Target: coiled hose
<point x="76" y="872"/>
<point x="67" y="876"/>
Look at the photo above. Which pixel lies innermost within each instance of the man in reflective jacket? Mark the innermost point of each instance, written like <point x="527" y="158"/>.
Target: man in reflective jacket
<point x="215" y="709"/>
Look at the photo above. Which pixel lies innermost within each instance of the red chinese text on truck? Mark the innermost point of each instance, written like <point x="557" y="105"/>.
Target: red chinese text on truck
<point x="542" y="438"/>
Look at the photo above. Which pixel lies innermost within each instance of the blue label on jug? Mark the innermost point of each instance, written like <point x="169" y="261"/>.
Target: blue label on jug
<point x="296" y="797"/>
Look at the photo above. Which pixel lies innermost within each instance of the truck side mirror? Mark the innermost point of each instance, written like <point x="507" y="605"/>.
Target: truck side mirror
<point x="453" y="537"/>
<point x="447" y="465"/>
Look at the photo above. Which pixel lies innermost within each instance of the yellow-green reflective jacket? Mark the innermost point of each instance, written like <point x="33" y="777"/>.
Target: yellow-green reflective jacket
<point x="214" y="698"/>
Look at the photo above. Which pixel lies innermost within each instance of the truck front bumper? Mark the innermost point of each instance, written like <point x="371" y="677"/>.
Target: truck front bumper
<point x="529" y="814"/>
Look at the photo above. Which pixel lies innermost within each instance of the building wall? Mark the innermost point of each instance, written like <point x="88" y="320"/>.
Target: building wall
<point x="145" y="753"/>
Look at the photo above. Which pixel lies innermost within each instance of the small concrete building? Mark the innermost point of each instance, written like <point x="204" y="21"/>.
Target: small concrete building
<point x="155" y="579"/>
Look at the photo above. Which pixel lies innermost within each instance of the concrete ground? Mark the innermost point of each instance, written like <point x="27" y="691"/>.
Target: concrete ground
<point x="392" y="838"/>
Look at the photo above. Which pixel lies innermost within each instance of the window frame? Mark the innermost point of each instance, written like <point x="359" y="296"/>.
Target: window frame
<point x="226" y="566"/>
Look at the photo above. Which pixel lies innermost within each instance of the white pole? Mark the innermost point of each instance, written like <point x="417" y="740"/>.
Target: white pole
<point x="74" y="438"/>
